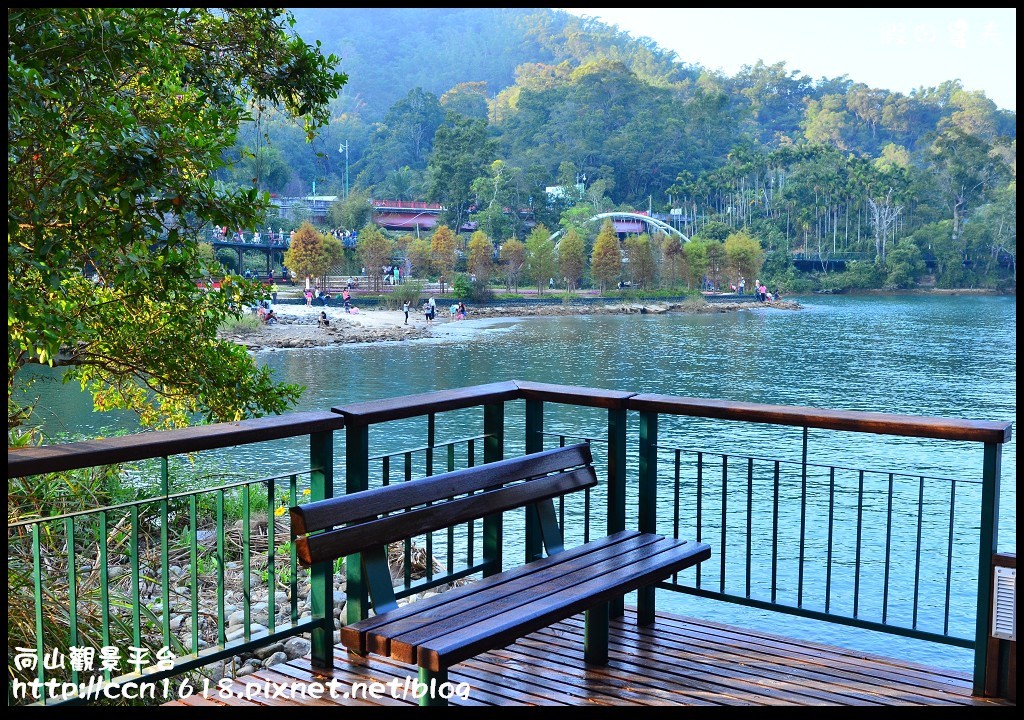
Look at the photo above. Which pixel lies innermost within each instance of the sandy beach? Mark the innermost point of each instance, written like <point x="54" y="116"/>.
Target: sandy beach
<point x="297" y="325"/>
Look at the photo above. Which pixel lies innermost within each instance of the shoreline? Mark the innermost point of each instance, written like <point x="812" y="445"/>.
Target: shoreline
<point x="914" y="291"/>
<point x="297" y="326"/>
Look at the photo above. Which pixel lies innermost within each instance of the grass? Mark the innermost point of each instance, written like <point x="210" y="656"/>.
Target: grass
<point x="245" y="324"/>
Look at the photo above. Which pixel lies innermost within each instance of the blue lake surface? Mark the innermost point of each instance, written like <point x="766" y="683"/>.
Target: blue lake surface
<point x="951" y="356"/>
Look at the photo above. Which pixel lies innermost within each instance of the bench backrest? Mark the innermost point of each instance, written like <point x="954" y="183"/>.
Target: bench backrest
<point x="372" y="520"/>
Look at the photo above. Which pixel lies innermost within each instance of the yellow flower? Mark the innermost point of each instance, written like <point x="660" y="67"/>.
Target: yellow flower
<point x="306" y="491"/>
<point x="279" y="512"/>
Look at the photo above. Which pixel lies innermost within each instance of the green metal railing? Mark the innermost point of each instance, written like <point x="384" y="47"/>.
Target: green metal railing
<point x="84" y="576"/>
<point x="732" y="501"/>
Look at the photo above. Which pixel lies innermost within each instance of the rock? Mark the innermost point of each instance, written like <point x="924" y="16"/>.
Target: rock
<point x="280" y="598"/>
<point x="275" y="659"/>
<point x="255" y="630"/>
<point x="268" y="650"/>
<point x="177" y="621"/>
<point x="339" y="597"/>
<point x="296" y="647"/>
<point x="236" y="618"/>
<point x="249" y="668"/>
<point x="214" y="671"/>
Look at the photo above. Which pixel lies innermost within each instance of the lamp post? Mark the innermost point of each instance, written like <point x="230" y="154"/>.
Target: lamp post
<point x="343" y="148"/>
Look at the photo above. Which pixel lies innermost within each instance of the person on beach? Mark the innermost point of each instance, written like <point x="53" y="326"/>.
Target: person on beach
<point x="346" y="296"/>
<point x="322" y="321"/>
<point x="426" y="312"/>
<point x="309" y="297"/>
<point x="461" y="315"/>
<point x="453" y="310"/>
<point x="405" y="309"/>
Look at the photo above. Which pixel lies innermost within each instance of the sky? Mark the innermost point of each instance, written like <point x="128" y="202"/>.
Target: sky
<point x="898" y="49"/>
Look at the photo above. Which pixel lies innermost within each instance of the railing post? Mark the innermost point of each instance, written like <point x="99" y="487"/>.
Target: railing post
<point x="987" y="546"/>
<point x="321" y="575"/>
<point x="494" y="450"/>
<point x="616" y="486"/>
<point x="534" y="443"/>
<point x="357" y="472"/>
<point x="648" y="519"/>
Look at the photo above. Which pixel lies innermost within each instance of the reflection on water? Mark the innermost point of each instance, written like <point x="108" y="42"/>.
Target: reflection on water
<point x="942" y="356"/>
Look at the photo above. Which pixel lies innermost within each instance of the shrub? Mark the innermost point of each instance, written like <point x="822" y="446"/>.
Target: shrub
<point x="244" y="324"/>
<point x="410" y="292"/>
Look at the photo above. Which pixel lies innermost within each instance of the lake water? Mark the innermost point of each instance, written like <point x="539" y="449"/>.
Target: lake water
<point x="943" y="356"/>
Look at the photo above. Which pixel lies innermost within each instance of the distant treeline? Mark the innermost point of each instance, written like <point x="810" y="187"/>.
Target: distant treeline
<point x="481" y="109"/>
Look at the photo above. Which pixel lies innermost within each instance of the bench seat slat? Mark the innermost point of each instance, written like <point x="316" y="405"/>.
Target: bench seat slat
<point x="353" y="636"/>
<point x="463" y="643"/>
<point x="524" y="593"/>
<point x="356" y="538"/>
<point x="412" y="630"/>
<point x="378" y="501"/>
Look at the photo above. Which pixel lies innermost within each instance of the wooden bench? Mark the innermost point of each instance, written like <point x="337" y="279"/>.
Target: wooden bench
<point x="440" y="631"/>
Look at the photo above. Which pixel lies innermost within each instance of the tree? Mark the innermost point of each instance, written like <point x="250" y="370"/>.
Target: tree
<point x="640" y="260"/>
<point x="418" y="255"/>
<point x="606" y="259"/>
<point x="405" y="137"/>
<point x="481" y="256"/>
<point x="462" y="153"/>
<point x="571" y="258"/>
<point x="716" y="258"/>
<point x="673" y="260"/>
<point x="744" y="254"/>
<point x="334" y="253"/>
<point x="375" y="250"/>
<point x="306" y="256"/>
<point x="513" y="258"/>
<point x="696" y="254"/>
<point x="265" y="169"/>
<point x="467" y="98"/>
<point x="966" y="171"/>
<point x="442" y="253"/>
<point x="117" y="119"/>
<point x="541" y="262"/>
<point x="352" y="212"/>
<point x="905" y="266"/>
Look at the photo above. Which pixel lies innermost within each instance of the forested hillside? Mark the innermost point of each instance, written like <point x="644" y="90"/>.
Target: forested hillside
<point x="481" y="108"/>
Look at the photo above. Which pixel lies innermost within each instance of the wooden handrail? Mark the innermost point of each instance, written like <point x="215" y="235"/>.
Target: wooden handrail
<point x="1004" y="560"/>
<point x="105" y="451"/>
<point x="398" y="408"/>
<point x="55" y="458"/>
<point x="574" y="395"/>
<point x="847" y="420"/>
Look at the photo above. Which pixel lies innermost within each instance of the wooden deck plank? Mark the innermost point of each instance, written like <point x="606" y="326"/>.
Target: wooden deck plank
<point x="676" y="661"/>
<point x="726" y="686"/>
<point x="598" y="679"/>
<point x="866" y="667"/>
<point x="747" y="669"/>
<point x="904" y="666"/>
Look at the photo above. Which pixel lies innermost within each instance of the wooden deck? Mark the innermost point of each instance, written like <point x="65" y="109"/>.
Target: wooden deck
<point x="677" y="661"/>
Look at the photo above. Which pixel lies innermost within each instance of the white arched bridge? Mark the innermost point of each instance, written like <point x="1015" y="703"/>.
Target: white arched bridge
<point x="630" y="221"/>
